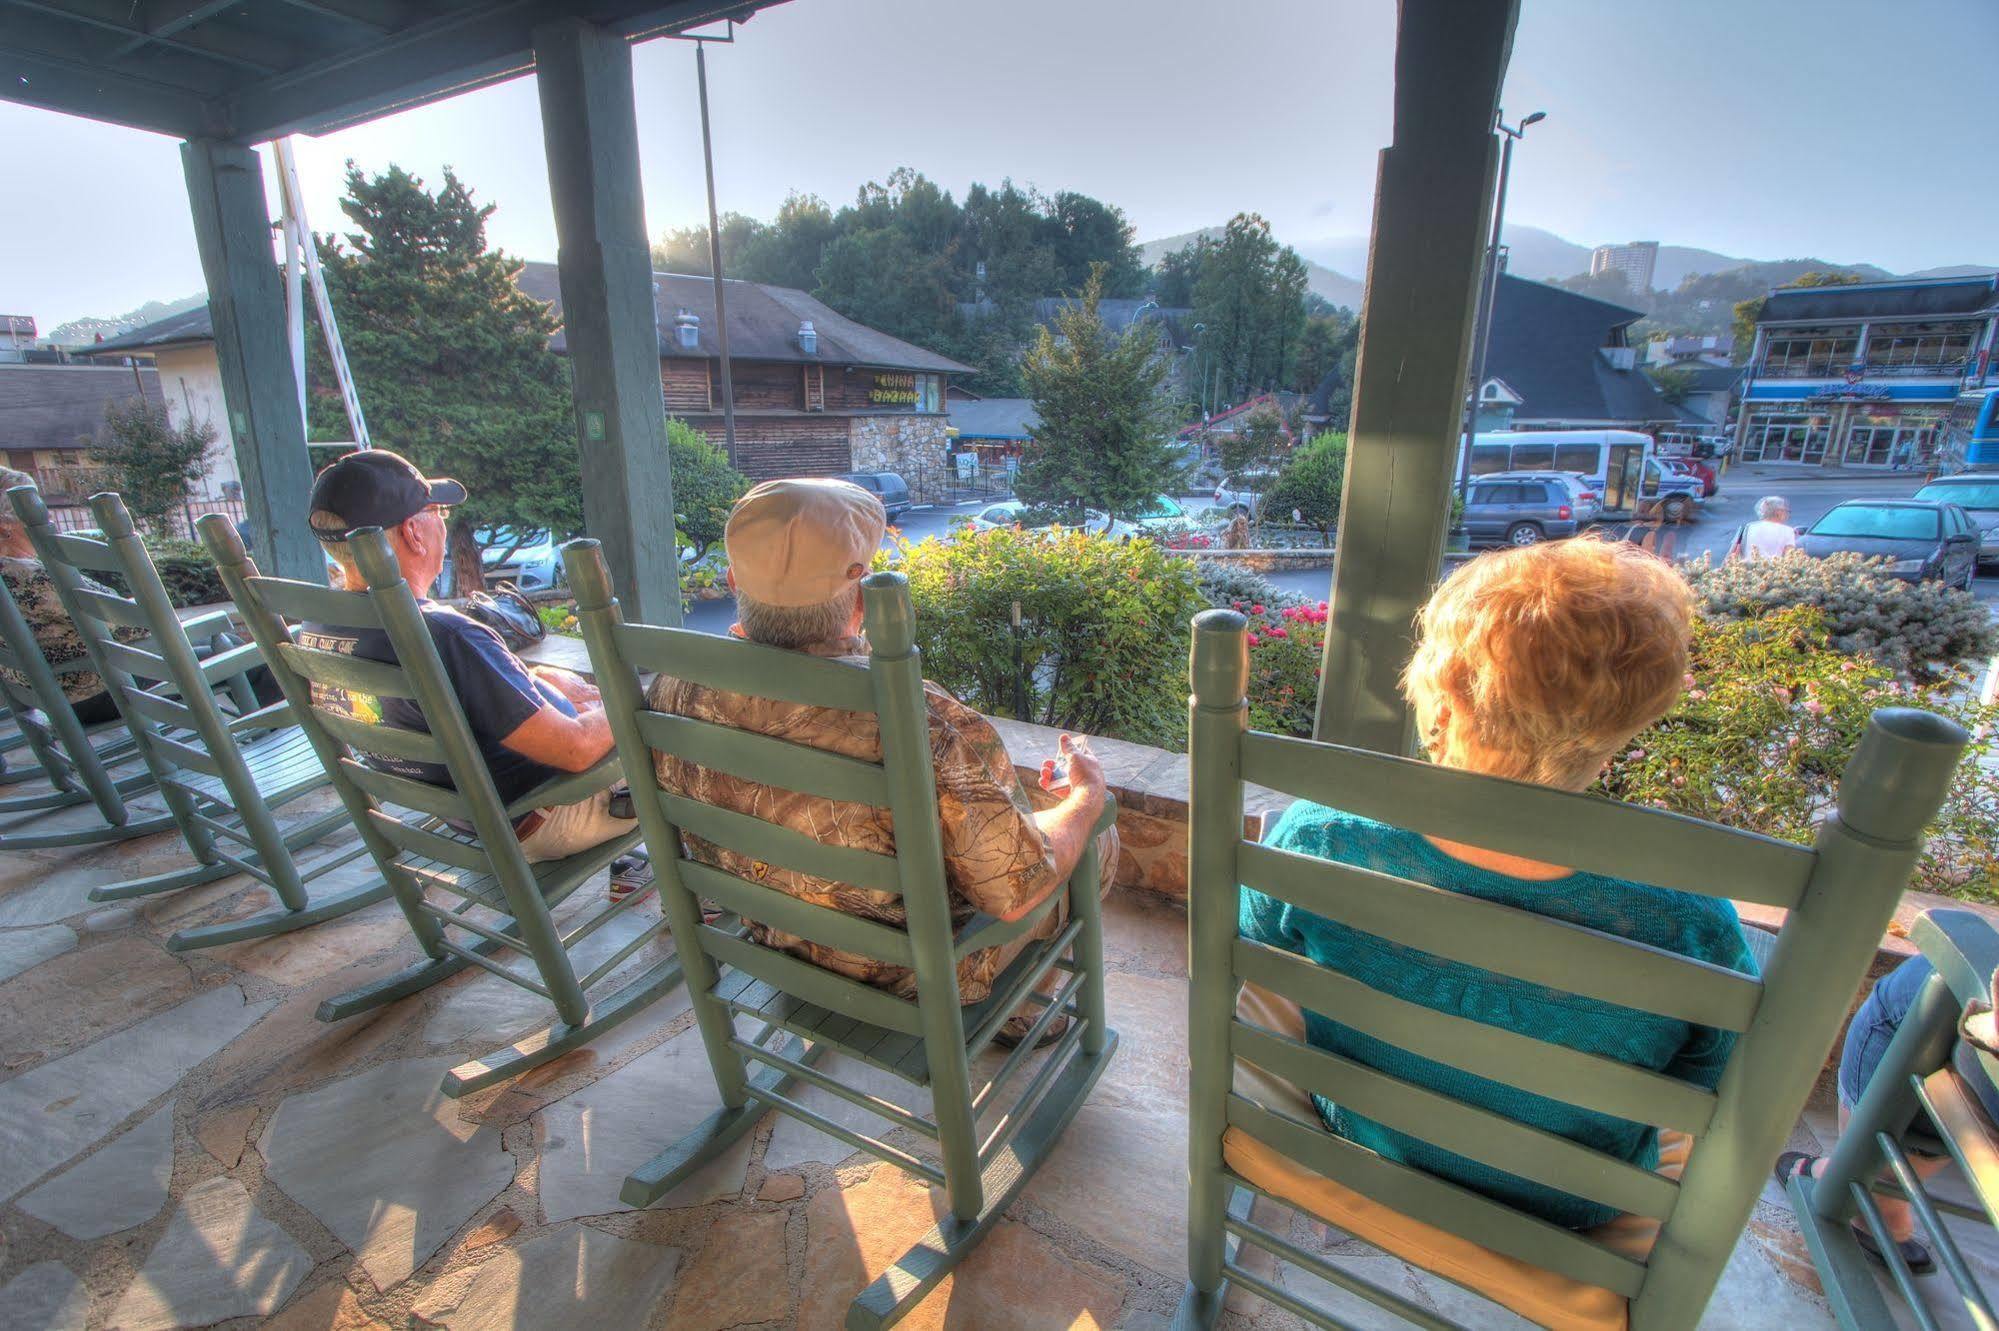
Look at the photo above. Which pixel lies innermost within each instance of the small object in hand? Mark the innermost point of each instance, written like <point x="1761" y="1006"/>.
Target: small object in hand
<point x="621" y="803"/>
<point x="1055" y="771"/>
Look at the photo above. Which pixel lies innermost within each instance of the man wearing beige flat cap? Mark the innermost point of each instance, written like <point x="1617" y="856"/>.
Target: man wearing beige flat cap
<point x="797" y="552"/>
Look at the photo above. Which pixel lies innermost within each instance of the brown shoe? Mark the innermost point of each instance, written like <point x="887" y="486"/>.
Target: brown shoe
<point x="1015" y="1028"/>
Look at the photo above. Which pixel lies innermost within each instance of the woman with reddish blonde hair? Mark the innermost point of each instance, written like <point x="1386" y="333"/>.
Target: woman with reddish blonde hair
<point x="1534" y="664"/>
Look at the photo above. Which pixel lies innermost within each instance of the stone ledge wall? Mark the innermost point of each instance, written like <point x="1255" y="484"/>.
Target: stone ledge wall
<point x="913" y="446"/>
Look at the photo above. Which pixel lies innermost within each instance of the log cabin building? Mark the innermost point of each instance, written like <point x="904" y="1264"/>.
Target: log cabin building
<point x="815" y="392"/>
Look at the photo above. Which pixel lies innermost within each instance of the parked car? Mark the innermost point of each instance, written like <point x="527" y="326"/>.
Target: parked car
<point x="1583" y="495"/>
<point x="1699" y="470"/>
<point x="1162" y="512"/>
<point x="530" y="560"/>
<point x="1031" y="517"/>
<point x="1243" y="492"/>
<point x="1977" y="493"/>
<point x="1518" y="512"/>
<point x="887" y="486"/>
<point x="1923" y="540"/>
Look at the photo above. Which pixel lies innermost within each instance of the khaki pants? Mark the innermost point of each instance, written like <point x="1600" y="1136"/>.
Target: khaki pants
<point x="570" y="829"/>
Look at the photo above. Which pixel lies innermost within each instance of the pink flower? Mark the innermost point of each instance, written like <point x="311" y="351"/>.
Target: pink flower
<point x="1678" y="782"/>
<point x="1815" y="707"/>
<point x="1255" y="641"/>
<point x="1687" y="680"/>
<point x="1636" y="755"/>
<point x="1697" y="695"/>
<point x="1781" y="694"/>
<point x="1323" y="607"/>
<point x="1280" y="632"/>
<point x="1256" y="610"/>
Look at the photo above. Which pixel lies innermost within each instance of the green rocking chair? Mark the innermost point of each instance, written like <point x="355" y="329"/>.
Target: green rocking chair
<point x="459" y="844"/>
<point x="77" y="760"/>
<point x="1840" y="896"/>
<point x="224" y="775"/>
<point x="799" y="1010"/>
<point x="1920" y="1089"/>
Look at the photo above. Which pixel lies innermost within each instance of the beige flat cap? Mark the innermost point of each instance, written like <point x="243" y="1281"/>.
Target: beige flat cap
<point x="801" y="541"/>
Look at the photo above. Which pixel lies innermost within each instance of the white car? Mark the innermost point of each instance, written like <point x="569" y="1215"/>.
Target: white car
<point x="1014" y="513"/>
<point x="1164" y="511"/>
<point x="531" y="560"/>
<point x="1242" y="493"/>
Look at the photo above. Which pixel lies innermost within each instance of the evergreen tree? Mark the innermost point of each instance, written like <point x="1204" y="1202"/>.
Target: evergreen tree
<point x="1105" y="438"/>
<point x="451" y="358"/>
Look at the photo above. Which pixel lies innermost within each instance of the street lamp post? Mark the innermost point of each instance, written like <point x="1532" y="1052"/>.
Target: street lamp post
<point x="1490" y="293"/>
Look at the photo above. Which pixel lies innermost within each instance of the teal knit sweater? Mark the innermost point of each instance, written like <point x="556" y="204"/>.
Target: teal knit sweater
<point x="1699" y="927"/>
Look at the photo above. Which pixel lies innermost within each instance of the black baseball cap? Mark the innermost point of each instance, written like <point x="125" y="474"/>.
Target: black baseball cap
<point x="376" y="488"/>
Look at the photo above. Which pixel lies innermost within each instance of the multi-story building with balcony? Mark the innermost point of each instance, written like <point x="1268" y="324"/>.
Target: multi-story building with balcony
<point x="1637" y="261"/>
<point x="1865" y="375"/>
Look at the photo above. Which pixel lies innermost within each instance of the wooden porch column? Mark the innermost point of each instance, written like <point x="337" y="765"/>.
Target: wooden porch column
<point x="591" y="135"/>
<point x="1432" y="211"/>
<point x="232" y="230"/>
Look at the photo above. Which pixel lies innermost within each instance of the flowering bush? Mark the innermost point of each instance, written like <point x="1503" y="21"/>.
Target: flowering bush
<point x="1772" y="712"/>
<point x="1103" y="633"/>
<point x="559" y="617"/>
<point x="1918" y="629"/>
<point x="1287" y="646"/>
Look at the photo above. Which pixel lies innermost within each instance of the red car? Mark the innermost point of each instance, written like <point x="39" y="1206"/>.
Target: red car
<point x="1695" y="467"/>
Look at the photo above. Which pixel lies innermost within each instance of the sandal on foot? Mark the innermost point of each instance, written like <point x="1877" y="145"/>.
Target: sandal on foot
<point x="1915" y="1255"/>
<point x="1014" y="1029"/>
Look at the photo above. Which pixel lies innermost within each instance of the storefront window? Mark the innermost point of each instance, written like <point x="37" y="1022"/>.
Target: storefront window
<point x="1810" y="352"/>
<point x="1941" y="346"/>
<point x="929" y="392"/>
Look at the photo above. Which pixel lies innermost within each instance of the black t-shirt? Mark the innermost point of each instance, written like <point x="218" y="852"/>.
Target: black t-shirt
<point x="494" y="688"/>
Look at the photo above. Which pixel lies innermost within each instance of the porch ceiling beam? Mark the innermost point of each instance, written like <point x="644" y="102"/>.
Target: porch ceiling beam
<point x="167" y="18"/>
<point x="610" y="322"/>
<point x="59" y="82"/>
<point x="1432" y="213"/>
<point x="451" y="53"/>
<point x="374" y="15"/>
<point x="253" y="55"/>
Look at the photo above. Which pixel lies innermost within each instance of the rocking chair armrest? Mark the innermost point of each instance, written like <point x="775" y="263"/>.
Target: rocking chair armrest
<point x="1108" y="818"/>
<point x="233" y="661"/>
<point x="605" y="772"/>
<point x="1964" y="948"/>
<point x="273" y="717"/>
<point x="983" y="930"/>
<point x="207" y="624"/>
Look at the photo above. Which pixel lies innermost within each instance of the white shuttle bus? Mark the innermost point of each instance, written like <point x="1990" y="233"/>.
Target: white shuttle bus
<point x="1614" y="461"/>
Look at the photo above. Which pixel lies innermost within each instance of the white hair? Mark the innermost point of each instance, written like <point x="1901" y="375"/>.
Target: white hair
<point x="796" y="626"/>
<point x="1770" y="506"/>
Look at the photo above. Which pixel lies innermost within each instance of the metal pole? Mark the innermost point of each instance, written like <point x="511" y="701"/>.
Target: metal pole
<point x="1488" y="297"/>
<point x="715" y="260"/>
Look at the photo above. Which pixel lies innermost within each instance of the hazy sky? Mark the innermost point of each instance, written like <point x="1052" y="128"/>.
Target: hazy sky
<point x="1848" y="130"/>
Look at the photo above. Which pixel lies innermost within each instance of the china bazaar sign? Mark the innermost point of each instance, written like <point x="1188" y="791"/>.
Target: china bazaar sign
<point x="1851" y="390"/>
<point x="894" y="389"/>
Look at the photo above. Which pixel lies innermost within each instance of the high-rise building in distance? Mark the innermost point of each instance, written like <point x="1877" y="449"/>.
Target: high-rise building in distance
<point x="1636" y="261"/>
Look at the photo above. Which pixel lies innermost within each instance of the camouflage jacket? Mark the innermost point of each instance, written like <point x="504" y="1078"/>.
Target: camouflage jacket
<point x="995" y="857"/>
<point x="34" y="591"/>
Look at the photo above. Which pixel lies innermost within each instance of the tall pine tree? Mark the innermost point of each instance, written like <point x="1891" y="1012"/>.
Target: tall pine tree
<point x="450" y="357"/>
<point x="1105" y="438"/>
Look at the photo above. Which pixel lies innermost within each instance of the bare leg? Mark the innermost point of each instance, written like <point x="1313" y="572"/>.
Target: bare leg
<point x="1895" y="1213"/>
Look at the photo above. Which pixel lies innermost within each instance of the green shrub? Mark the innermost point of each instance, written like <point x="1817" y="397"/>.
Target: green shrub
<point x="1915" y="629"/>
<point x="185" y="568"/>
<point x="1287" y="648"/>
<point x="1227" y="585"/>
<point x="1309" y="485"/>
<point x="1766" y="727"/>
<point x="1104" y="628"/>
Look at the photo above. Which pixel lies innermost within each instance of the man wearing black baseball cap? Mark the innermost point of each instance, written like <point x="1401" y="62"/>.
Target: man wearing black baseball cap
<point x="533" y="723"/>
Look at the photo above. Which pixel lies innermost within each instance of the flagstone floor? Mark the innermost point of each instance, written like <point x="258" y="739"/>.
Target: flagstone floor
<point x="183" y="1144"/>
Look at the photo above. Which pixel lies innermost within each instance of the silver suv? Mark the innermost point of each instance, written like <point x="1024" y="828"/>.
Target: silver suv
<point x="1503" y="510"/>
<point x="1583" y="496"/>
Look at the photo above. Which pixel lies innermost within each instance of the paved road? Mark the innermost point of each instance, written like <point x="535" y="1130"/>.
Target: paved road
<point x="1811" y="493"/>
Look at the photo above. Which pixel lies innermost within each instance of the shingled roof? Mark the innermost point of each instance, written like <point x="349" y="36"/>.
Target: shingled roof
<point x="1546" y="345"/>
<point x="62" y="406"/>
<point x="763" y="325"/>
<point x="1911" y="299"/>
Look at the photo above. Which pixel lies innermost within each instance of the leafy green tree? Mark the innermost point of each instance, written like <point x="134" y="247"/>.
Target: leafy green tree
<point x="881" y="278"/>
<point x="1249" y="296"/>
<point x="1310" y="483"/>
<point x="788" y="251"/>
<point x="1255" y="445"/>
<point x="1329" y="345"/>
<point x="1085" y="231"/>
<point x="150" y="461"/>
<point x="1173" y="280"/>
<point x="685" y="250"/>
<point x="451" y="358"/>
<point x="1105" y="438"/>
<point x="705" y="486"/>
